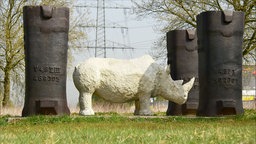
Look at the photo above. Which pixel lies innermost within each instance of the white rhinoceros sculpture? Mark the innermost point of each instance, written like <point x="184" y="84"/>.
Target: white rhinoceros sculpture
<point x="121" y="81"/>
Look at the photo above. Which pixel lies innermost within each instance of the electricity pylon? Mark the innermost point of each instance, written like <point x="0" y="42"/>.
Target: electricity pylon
<point x="101" y="45"/>
<point x="100" y="40"/>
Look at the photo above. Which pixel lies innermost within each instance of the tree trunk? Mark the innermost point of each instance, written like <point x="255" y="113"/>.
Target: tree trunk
<point x="7" y="86"/>
<point x="1" y="104"/>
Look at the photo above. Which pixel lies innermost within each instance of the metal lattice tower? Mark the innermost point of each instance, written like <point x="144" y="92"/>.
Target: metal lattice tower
<point x="101" y="44"/>
<point x="100" y="41"/>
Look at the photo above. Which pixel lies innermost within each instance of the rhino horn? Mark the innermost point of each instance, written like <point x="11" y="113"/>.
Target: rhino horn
<point x="187" y="86"/>
<point x="178" y="82"/>
<point x="168" y="69"/>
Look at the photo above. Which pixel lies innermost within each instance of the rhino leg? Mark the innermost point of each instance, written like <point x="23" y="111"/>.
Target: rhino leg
<point x="137" y="107"/>
<point x="85" y="102"/>
<point x="144" y="105"/>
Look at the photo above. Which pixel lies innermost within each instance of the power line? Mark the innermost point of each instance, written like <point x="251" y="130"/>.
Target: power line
<point x="94" y="26"/>
<point x="106" y="7"/>
<point x="107" y="47"/>
<point x="144" y="41"/>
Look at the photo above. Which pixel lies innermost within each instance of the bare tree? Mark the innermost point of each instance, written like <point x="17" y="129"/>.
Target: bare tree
<point x="12" y="46"/>
<point x="11" y="43"/>
<point x="181" y="14"/>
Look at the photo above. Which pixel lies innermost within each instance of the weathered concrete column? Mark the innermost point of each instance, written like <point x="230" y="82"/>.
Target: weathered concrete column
<point x="46" y="43"/>
<point x="220" y="37"/>
<point x="183" y="58"/>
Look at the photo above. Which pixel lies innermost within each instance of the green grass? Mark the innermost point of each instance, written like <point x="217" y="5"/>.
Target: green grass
<point x="114" y="128"/>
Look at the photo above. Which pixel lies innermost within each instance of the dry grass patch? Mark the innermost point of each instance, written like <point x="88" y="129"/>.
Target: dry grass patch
<point x="99" y="107"/>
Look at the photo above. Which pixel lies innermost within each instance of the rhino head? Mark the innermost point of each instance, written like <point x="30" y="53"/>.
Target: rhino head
<point x="173" y="90"/>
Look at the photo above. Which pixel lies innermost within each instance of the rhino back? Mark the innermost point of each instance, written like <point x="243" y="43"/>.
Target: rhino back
<point x="121" y="80"/>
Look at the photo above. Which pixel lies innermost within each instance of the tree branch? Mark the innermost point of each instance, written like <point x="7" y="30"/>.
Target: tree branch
<point x="17" y="62"/>
<point x="1" y="67"/>
<point x="250" y="45"/>
<point x="186" y="10"/>
<point x="218" y="4"/>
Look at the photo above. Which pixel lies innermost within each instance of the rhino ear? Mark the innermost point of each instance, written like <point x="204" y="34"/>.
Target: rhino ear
<point x="168" y="69"/>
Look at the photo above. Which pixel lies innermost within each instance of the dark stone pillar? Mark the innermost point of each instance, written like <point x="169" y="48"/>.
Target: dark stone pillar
<point x="183" y="58"/>
<point x="220" y="37"/>
<point x="46" y="43"/>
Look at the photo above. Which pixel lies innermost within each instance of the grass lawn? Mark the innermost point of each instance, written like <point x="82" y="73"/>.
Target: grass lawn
<point x="114" y="128"/>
